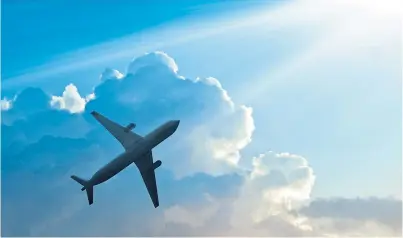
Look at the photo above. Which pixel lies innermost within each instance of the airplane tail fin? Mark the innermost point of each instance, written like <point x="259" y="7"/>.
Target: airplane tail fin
<point x="86" y="186"/>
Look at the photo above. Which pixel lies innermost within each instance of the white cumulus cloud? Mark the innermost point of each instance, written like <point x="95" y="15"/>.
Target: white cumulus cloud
<point x="5" y="104"/>
<point x="150" y="59"/>
<point x="278" y="184"/>
<point x="274" y="199"/>
<point x="215" y="144"/>
<point x="110" y="74"/>
<point x="214" y="129"/>
<point x="71" y="100"/>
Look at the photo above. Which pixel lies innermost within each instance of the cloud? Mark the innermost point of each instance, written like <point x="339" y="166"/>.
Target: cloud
<point x="203" y="189"/>
<point x="71" y="100"/>
<point x="173" y="96"/>
<point x="153" y="59"/>
<point x="5" y="104"/>
<point x="146" y="94"/>
<point x="274" y="202"/>
<point x="272" y="192"/>
<point x="30" y="100"/>
<point x="31" y="117"/>
<point x="110" y="74"/>
<point x="278" y="183"/>
<point x="372" y="211"/>
<point x="178" y="214"/>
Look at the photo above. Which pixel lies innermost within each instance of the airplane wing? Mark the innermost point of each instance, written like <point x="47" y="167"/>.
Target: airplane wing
<point x="123" y="134"/>
<point x="145" y="166"/>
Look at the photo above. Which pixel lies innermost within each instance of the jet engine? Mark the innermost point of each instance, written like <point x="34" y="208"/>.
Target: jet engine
<point x="157" y="164"/>
<point x="130" y="127"/>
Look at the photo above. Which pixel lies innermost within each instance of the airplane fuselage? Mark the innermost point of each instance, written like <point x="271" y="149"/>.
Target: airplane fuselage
<point x="134" y="153"/>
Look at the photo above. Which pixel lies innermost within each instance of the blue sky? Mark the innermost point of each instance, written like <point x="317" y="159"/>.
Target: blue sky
<point x="285" y="106"/>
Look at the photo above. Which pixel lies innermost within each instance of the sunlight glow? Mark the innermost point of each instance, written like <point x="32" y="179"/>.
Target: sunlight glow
<point x="351" y="27"/>
<point x="366" y="15"/>
<point x="386" y="7"/>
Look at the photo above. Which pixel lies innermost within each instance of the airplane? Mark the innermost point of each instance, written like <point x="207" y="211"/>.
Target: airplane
<point x="137" y="151"/>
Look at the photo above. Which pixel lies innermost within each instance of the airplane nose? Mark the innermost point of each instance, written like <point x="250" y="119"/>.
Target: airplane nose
<point x="176" y="122"/>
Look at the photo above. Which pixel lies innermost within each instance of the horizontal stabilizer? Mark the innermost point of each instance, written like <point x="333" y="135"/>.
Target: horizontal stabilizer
<point x="79" y="180"/>
<point x="87" y="186"/>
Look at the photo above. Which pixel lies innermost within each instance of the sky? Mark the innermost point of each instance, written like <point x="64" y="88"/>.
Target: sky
<point x="290" y="116"/>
